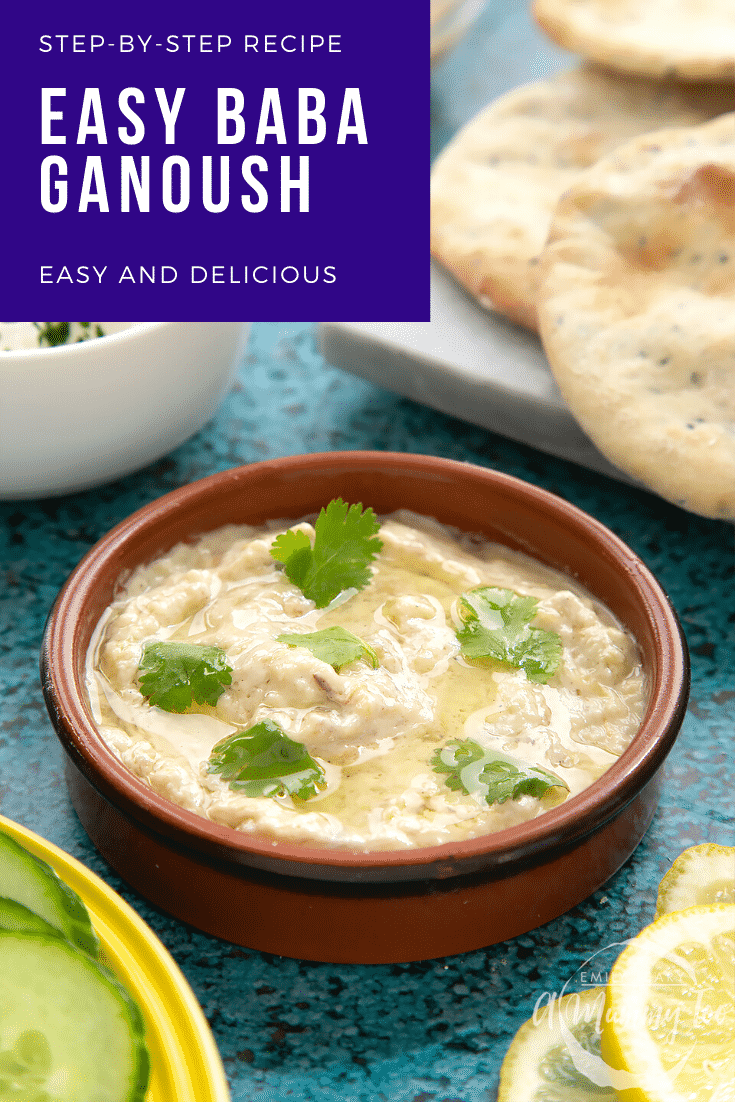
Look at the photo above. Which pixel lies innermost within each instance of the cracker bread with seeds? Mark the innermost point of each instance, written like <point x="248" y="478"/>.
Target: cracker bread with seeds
<point x="495" y="186"/>
<point x="686" y="39"/>
<point x="637" y="311"/>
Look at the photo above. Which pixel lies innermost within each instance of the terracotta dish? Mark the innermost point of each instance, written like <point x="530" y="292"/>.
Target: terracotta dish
<point x="336" y="905"/>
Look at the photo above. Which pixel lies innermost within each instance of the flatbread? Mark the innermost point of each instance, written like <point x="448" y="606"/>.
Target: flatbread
<point x="688" y="39"/>
<point x="496" y="184"/>
<point x="449" y="20"/>
<point x="637" y="311"/>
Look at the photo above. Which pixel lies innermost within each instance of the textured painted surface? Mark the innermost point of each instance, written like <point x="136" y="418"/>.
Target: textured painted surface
<point x="401" y="1033"/>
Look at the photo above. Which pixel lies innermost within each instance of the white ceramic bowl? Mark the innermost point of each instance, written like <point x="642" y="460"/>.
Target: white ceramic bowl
<point x="78" y="415"/>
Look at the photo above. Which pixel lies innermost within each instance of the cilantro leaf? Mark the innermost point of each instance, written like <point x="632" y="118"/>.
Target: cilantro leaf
<point x="86" y="333"/>
<point x="345" y="542"/>
<point x="490" y="775"/>
<point x="52" y="333"/>
<point x="172" y="675"/>
<point x="335" y="645"/>
<point x="293" y="549"/>
<point x="495" y="625"/>
<point x="263" y="761"/>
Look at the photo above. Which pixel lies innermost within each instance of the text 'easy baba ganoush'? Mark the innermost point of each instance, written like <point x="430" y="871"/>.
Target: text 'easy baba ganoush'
<point x="361" y="684"/>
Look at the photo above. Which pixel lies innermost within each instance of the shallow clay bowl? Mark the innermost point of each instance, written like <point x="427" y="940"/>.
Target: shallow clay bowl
<point x="344" y="906"/>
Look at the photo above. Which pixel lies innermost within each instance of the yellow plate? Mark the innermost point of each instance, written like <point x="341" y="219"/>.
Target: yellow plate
<point x="185" y="1062"/>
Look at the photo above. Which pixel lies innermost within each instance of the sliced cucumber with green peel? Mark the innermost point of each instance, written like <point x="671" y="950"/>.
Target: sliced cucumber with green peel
<point x="30" y="881"/>
<point x="14" y="916"/>
<point x="69" y="1031"/>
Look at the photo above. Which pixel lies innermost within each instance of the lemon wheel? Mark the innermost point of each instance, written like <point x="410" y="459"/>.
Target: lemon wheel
<point x="548" y="1055"/>
<point x="669" y="1017"/>
<point x="700" y="875"/>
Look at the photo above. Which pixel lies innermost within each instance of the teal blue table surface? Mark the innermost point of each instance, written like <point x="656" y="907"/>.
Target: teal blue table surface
<point x="434" y="1031"/>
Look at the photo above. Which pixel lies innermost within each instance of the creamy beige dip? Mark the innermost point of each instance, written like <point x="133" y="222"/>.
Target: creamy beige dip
<point x="373" y="730"/>
<point x="16" y="336"/>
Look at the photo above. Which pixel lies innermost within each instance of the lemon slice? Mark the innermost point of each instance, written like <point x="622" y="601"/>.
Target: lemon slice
<point x="547" y="1056"/>
<point x="700" y="875"/>
<point x="670" y="1013"/>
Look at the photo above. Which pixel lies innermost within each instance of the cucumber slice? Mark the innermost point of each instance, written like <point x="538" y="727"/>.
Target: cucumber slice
<point x="30" y="881"/>
<point x="69" y="1032"/>
<point x="14" y="916"/>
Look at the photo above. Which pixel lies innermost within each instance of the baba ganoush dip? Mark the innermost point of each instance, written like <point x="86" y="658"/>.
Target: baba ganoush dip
<point x="401" y="734"/>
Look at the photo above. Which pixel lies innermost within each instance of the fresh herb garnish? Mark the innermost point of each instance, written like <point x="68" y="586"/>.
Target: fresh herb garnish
<point x="476" y="771"/>
<point x="86" y="335"/>
<point x="52" y="333"/>
<point x="345" y="542"/>
<point x="172" y="675"/>
<point x="335" y="645"/>
<point x="495" y="625"/>
<point x="263" y="761"/>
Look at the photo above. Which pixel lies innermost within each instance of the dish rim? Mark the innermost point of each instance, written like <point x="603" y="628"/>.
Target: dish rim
<point x="81" y="348"/>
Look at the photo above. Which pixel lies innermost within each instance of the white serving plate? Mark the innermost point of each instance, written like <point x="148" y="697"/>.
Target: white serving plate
<point x="466" y="361"/>
<point x="471" y="364"/>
